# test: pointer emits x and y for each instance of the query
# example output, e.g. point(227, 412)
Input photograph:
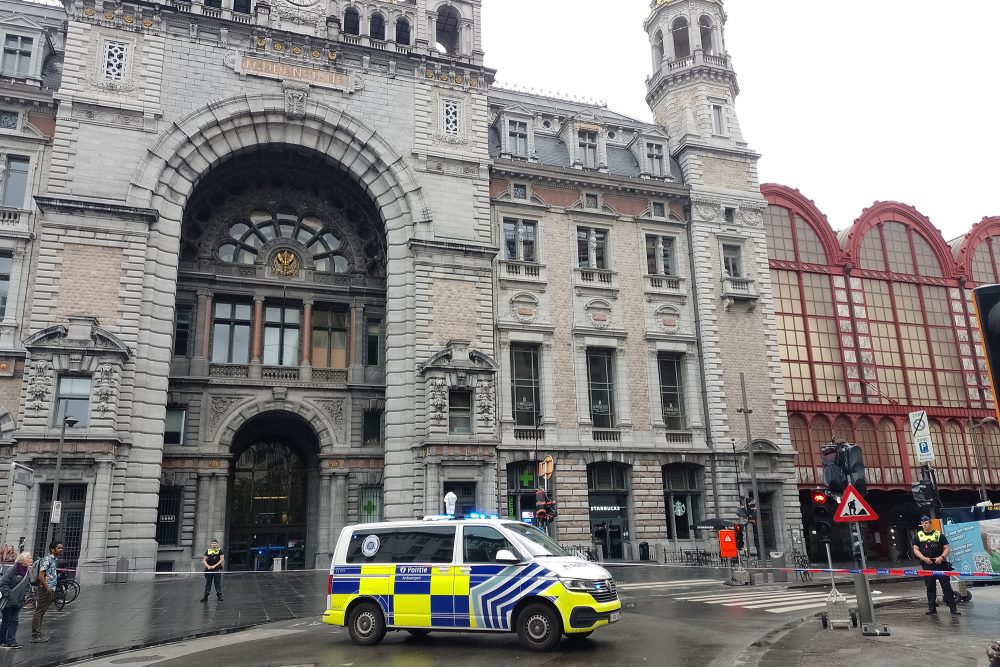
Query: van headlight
point(583, 585)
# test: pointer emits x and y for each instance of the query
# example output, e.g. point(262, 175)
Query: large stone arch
point(162, 184)
point(319, 420)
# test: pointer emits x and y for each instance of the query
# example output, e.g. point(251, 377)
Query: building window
point(376, 27)
point(672, 390)
point(8, 120)
point(591, 200)
point(73, 399)
point(329, 338)
point(241, 6)
point(588, 148)
point(654, 153)
point(403, 32)
point(521, 484)
point(17, 54)
point(182, 329)
point(168, 515)
point(370, 504)
point(15, 182)
point(519, 240)
point(732, 261)
point(352, 21)
point(659, 209)
point(460, 412)
point(371, 428)
point(592, 248)
point(451, 117)
point(173, 432)
point(446, 30)
point(115, 54)
point(373, 342)
point(525, 384)
point(231, 333)
point(660, 257)
point(6, 265)
point(281, 336)
point(718, 120)
point(682, 496)
point(520, 191)
point(517, 132)
point(601, 386)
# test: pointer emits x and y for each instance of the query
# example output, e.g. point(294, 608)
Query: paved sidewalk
point(915, 639)
point(114, 617)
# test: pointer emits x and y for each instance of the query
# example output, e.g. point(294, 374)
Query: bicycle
point(66, 591)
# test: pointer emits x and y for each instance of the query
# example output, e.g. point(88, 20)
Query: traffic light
point(923, 493)
point(823, 507)
point(834, 474)
point(987, 300)
point(854, 465)
point(739, 537)
point(751, 509)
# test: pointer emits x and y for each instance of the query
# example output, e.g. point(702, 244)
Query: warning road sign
point(853, 507)
point(727, 544)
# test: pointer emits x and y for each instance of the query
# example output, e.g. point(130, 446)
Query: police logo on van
point(370, 546)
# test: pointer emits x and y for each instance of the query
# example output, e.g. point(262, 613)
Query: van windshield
point(535, 541)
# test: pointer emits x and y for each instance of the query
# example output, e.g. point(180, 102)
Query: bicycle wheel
point(59, 598)
point(72, 590)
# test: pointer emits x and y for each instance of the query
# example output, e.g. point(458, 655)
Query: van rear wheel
point(539, 627)
point(366, 624)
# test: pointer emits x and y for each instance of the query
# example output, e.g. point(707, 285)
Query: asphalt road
point(670, 618)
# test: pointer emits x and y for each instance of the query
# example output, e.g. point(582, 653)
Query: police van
point(482, 575)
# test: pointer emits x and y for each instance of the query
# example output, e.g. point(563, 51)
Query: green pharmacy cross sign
point(370, 507)
point(527, 479)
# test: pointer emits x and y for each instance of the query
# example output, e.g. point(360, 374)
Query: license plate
point(615, 617)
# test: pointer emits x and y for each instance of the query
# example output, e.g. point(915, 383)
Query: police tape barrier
point(870, 571)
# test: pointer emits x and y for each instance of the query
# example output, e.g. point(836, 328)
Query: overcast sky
point(851, 102)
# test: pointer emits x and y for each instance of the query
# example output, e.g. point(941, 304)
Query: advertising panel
point(974, 536)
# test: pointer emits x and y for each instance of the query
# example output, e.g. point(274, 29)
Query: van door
point(424, 584)
point(493, 588)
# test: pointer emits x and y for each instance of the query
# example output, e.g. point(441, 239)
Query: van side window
point(434, 544)
point(371, 546)
point(480, 544)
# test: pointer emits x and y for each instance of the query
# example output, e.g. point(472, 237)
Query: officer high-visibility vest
point(934, 536)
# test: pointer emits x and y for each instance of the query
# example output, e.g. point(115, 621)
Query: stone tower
point(692, 91)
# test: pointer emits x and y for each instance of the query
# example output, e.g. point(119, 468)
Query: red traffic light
point(819, 498)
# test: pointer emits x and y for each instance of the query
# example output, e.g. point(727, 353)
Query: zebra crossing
point(774, 601)
point(667, 586)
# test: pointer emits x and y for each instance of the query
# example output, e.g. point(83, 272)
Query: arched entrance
point(271, 499)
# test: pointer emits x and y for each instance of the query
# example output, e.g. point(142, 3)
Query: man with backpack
point(47, 576)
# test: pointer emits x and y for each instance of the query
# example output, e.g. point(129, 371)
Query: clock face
point(302, 3)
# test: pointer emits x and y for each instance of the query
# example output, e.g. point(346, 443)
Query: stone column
point(203, 327)
point(202, 520)
point(95, 534)
point(324, 543)
point(257, 337)
point(356, 364)
point(433, 498)
point(339, 512)
point(305, 365)
point(217, 490)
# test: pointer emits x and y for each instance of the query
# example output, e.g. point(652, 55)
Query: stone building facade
point(295, 265)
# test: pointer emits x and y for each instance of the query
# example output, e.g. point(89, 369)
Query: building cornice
point(102, 208)
point(587, 179)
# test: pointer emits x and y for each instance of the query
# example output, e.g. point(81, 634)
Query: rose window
point(247, 236)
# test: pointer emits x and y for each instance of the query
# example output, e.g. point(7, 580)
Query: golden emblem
point(285, 263)
point(89, 11)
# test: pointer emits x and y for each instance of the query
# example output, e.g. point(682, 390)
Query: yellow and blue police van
point(465, 575)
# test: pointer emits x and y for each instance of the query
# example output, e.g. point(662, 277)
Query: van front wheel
point(539, 627)
point(366, 624)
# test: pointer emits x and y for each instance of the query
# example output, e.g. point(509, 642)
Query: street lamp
point(70, 421)
point(980, 460)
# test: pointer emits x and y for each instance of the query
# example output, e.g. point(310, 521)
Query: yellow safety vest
point(929, 537)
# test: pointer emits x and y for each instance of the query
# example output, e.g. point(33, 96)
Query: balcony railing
point(229, 371)
point(529, 433)
point(331, 375)
point(597, 277)
point(738, 290)
point(607, 435)
point(528, 270)
point(666, 284)
point(679, 438)
point(280, 373)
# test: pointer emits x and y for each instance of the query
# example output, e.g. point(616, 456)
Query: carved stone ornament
point(751, 217)
point(39, 385)
point(486, 404)
point(707, 212)
point(295, 102)
point(304, 12)
point(437, 401)
point(230, 58)
point(221, 405)
point(126, 86)
point(335, 409)
point(105, 387)
point(285, 263)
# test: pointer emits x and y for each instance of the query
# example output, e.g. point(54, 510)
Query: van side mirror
point(506, 556)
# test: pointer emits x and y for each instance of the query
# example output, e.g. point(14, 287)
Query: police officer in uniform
point(932, 549)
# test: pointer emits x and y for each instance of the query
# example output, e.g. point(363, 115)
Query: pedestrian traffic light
point(987, 301)
point(823, 507)
point(739, 537)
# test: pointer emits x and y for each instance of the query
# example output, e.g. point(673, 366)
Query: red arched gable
point(981, 231)
point(805, 208)
point(892, 211)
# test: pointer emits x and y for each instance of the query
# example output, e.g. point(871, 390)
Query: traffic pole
point(863, 594)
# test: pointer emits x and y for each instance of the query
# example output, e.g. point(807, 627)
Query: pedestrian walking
point(213, 561)
point(47, 576)
point(932, 549)
point(13, 587)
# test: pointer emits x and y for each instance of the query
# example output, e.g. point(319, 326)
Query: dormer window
point(517, 136)
point(588, 148)
point(17, 55)
point(654, 154)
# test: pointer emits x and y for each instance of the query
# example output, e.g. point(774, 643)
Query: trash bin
point(643, 550)
point(778, 561)
point(276, 565)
